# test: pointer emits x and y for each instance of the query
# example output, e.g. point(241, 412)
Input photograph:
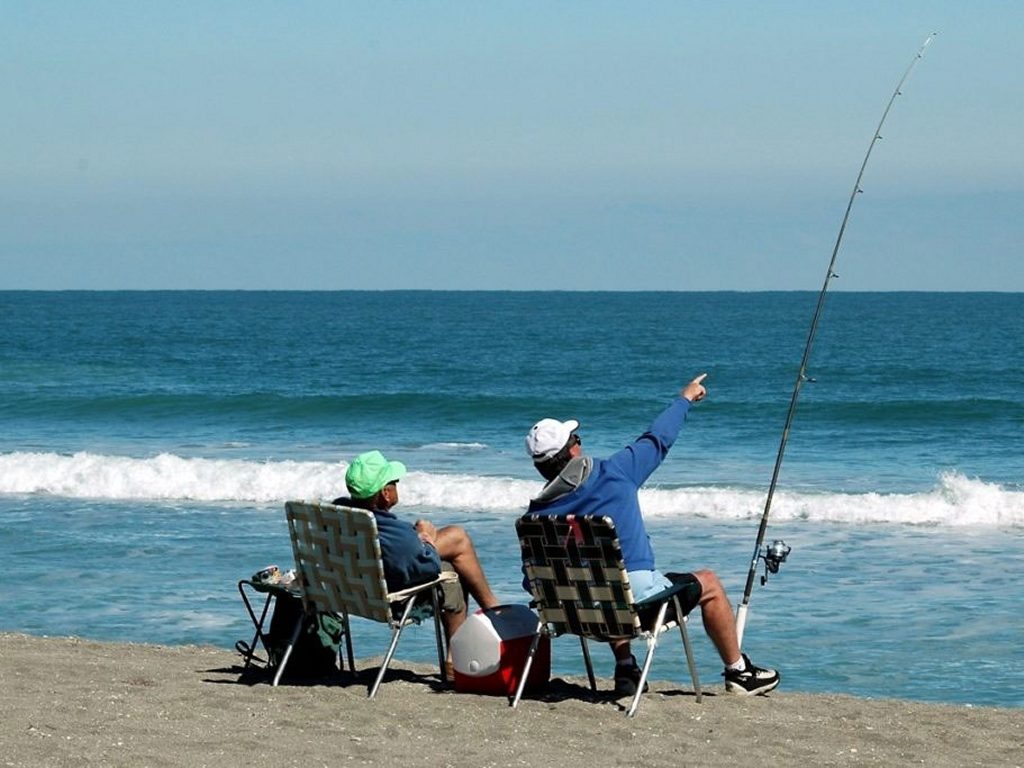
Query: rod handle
point(741, 623)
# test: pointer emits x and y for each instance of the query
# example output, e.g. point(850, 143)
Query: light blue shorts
point(647, 583)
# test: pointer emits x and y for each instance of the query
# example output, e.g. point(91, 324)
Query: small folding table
point(271, 592)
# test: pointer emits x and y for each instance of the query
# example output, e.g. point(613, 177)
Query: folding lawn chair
point(580, 587)
point(339, 566)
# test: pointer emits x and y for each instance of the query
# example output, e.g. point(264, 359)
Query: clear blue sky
point(518, 145)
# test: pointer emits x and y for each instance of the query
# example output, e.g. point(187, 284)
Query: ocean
point(150, 440)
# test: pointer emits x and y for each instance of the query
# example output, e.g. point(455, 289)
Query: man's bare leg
point(454, 545)
point(716, 611)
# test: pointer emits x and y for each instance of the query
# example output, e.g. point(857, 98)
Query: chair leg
point(689, 653)
point(348, 643)
point(396, 632)
point(589, 664)
point(441, 650)
point(249, 651)
point(652, 643)
point(527, 665)
point(288, 651)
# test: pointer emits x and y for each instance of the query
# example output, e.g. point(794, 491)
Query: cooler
point(490, 648)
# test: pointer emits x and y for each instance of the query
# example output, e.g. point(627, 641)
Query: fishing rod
point(776, 553)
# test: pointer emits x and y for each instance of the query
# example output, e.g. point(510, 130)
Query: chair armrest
point(442, 577)
point(660, 597)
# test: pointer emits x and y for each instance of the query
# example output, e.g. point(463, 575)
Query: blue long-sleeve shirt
point(612, 485)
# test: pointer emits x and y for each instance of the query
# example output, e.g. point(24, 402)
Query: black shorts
point(687, 589)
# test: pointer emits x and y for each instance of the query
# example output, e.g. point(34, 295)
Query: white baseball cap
point(548, 436)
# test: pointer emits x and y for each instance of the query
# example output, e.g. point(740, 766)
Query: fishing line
point(775, 554)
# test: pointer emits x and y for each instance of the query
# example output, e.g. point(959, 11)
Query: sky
point(509, 145)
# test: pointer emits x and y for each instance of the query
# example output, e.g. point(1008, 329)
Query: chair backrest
point(337, 556)
point(577, 576)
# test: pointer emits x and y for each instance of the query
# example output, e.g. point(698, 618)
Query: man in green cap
point(416, 553)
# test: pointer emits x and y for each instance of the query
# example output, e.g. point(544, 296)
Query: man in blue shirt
point(415, 553)
point(579, 485)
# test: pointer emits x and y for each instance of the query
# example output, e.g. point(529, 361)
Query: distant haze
point(457, 145)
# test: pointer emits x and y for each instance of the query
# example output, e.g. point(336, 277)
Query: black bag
point(316, 650)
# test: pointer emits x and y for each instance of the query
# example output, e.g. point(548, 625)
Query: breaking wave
point(955, 500)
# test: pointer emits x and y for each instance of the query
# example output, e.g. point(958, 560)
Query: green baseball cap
point(369, 472)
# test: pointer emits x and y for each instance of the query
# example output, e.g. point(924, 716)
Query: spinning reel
point(774, 555)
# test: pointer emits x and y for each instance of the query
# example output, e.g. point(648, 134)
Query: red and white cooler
point(490, 648)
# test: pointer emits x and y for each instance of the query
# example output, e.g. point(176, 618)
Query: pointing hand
point(695, 390)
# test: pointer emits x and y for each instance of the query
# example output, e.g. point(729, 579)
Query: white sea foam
point(955, 500)
point(88, 475)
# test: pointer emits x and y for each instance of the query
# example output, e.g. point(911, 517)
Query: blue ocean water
point(150, 439)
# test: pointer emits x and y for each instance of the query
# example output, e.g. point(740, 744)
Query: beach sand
point(74, 702)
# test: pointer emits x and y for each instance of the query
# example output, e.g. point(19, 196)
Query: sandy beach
point(74, 702)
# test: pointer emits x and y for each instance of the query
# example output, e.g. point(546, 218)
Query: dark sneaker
point(627, 676)
point(752, 681)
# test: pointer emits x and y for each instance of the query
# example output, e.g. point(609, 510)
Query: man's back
point(609, 486)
